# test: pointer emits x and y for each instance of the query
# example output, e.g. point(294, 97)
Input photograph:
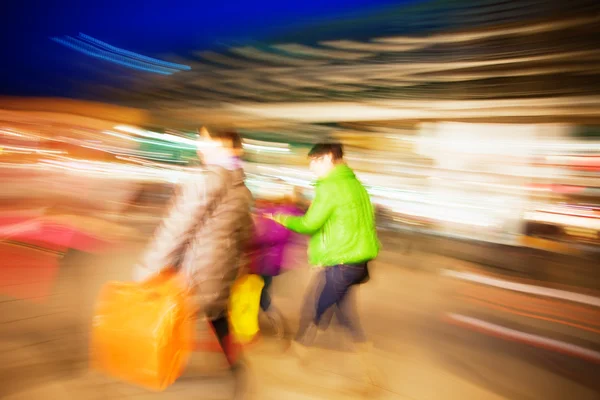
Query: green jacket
point(341, 221)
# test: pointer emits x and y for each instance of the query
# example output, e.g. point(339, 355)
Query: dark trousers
point(333, 287)
point(339, 281)
point(232, 352)
point(220, 327)
point(265, 297)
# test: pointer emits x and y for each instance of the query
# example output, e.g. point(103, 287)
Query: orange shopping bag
point(142, 332)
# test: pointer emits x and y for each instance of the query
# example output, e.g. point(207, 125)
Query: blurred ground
point(43, 344)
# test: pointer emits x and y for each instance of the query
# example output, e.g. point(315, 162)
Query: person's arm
point(316, 216)
point(187, 210)
point(249, 245)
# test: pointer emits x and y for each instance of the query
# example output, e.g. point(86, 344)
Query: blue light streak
point(133, 55)
point(117, 56)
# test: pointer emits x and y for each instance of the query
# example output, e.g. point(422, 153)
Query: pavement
point(44, 344)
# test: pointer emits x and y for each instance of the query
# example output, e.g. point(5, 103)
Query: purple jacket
point(270, 241)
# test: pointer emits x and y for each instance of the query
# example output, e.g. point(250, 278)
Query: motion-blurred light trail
point(103, 51)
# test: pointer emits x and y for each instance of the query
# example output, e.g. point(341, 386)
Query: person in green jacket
point(343, 237)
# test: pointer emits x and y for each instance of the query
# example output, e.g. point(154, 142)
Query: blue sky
point(33, 65)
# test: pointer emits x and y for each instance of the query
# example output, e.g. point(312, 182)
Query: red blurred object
point(32, 250)
point(26, 273)
point(53, 235)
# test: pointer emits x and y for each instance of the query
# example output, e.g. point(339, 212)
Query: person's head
point(324, 157)
point(215, 144)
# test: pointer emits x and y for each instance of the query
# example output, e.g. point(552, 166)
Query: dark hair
point(225, 135)
point(322, 149)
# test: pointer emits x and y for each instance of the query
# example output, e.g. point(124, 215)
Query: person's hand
point(279, 218)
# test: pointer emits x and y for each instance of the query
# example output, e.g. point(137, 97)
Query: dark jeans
point(265, 297)
point(220, 327)
point(334, 289)
point(232, 352)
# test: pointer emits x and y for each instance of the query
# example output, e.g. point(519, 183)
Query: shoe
point(300, 352)
point(240, 381)
point(298, 349)
point(311, 334)
point(276, 321)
